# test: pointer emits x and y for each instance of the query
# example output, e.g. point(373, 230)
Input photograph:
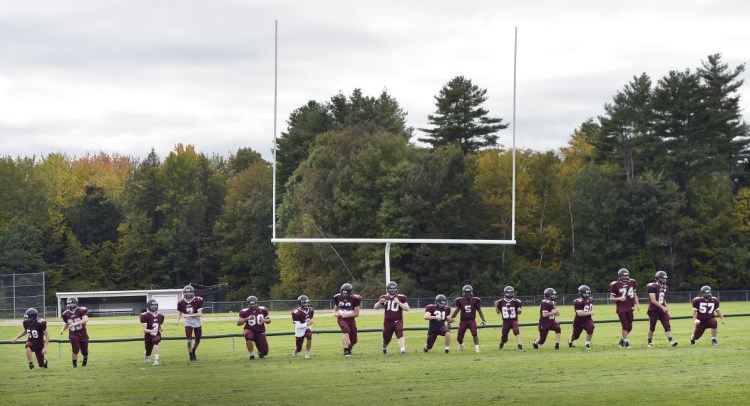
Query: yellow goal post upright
point(389, 241)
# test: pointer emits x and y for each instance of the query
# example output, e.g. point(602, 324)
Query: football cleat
point(403, 352)
point(588, 346)
point(714, 342)
point(447, 350)
point(673, 343)
point(294, 354)
point(85, 361)
point(145, 359)
point(557, 346)
point(650, 345)
point(500, 347)
point(570, 344)
point(307, 355)
point(477, 350)
point(385, 351)
point(460, 347)
point(520, 347)
point(424, 349)
point(627, 344)
point(156, 363)
point(31, 366)
point(251, 357)
point(45, 364)
point(536, 346)
point(261, 356)
point(692, 341)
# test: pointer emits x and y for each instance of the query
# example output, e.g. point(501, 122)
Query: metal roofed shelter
point(121, 302)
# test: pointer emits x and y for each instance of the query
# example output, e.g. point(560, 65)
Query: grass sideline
point(661, 375)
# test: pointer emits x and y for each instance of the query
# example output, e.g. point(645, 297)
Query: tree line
point(658, 181)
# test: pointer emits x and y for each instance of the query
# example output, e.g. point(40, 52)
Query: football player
point(657, 308)
point(438, 314)
point(74, 320)
point(509, 307)
point(346, 310)
point(469, 306)
point(584, 308)
point(254, 318)
point(622, 292)
point(152, 323)
point(548, 311)
point(37, 337)
point(302, 317)
point(704, 307)
point(191, 306)
point(395, 304)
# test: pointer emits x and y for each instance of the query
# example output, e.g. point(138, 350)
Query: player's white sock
point(145, 359)
point(403, 349)
point(156, 357)
point(588, 342)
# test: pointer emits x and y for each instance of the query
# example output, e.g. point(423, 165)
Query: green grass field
point(661, 375)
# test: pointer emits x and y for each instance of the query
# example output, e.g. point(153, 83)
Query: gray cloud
point(125, 76)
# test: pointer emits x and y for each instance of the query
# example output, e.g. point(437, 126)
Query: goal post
point(389, 241)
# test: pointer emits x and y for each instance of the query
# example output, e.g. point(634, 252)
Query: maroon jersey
point(705, 308)
point(509, 308)
point(393, 311)
point(468, 307)
point(152, 321)
point(583, 304)
point(35, 331)
point(190, 307)
point(433, 310)
point(256, 322)
point(660, 292)
point(626, 289)
point(301, 315)
point(548, 306)
point(74, 317)
point(347, 305)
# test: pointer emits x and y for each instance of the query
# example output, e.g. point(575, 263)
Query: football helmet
point(441, 301)
point(71, 303)
point(509, 292)
point(550, 294)
point(623, 275)
point(152, 305)
point(346, 289)
point(392, 288)
point(252, 302)
point(584, 291)
point(706, 292)
point(303, 302)
point(31, 315)
point(661, 277)
point(188, 292)
point(467, 291)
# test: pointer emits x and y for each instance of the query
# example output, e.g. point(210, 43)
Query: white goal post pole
point(387, 264)
point(275, 98)
point(513, 187)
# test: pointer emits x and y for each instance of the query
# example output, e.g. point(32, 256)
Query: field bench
point(112, 312)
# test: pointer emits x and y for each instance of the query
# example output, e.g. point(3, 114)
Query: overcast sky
point(123, 77)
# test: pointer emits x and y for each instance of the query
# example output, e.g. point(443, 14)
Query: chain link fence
point(19, 291)
point(487, 301)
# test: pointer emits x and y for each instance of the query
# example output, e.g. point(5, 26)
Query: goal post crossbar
point(390, 241)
